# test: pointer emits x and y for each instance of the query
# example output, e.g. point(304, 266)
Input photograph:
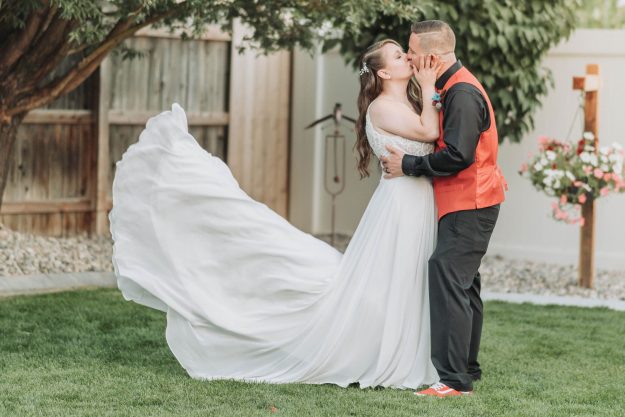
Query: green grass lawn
point(90, 353)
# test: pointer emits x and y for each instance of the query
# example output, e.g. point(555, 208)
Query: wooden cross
point(589, 84)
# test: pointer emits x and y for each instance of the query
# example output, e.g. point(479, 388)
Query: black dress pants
point(456, 311)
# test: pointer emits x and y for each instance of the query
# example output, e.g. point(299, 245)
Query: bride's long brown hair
point(370, 88)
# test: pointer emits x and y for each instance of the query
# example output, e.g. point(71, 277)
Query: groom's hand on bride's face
point(392, 162)
point(422, 62)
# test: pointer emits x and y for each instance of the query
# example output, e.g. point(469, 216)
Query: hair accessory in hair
point(364, 68)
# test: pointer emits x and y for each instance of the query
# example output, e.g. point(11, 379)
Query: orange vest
point(482, 183)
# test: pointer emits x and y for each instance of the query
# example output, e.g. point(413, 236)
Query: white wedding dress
point(250, 297)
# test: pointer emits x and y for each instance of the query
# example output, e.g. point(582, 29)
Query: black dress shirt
point(465, 117)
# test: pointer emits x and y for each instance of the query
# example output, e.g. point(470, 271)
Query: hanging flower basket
point(575, 173)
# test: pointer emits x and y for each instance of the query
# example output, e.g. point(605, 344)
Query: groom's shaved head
point(435, 36)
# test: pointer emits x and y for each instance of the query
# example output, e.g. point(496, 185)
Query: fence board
point(259, 119)
point(65, 153)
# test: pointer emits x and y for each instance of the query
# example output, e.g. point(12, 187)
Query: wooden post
point(589, 84)
point(103, 163)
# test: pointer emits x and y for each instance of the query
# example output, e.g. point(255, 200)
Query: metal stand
point(334, 176)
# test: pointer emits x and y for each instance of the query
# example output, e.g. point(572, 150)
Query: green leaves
point(501, 42)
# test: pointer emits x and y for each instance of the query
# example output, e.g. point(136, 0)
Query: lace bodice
point(378, 142)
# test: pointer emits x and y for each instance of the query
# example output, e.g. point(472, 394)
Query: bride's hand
point(426, 70)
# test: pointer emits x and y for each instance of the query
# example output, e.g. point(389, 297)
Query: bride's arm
point(398, 119)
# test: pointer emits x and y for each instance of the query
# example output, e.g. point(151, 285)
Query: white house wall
point(525, 229)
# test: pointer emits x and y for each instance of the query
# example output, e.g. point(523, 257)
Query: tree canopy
point(502, 41)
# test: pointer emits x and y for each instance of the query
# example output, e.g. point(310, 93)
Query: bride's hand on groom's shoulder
point(425, 69)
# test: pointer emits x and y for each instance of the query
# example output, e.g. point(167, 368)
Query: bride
point(250, 297)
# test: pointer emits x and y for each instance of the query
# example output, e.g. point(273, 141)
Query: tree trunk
point(29, 55)
point(8, 133)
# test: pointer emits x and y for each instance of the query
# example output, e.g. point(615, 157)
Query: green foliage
point(90, 353)
point(602, 14)
point(275, 24)
point(501, 41)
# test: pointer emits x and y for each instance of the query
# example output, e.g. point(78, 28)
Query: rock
point(23, 254)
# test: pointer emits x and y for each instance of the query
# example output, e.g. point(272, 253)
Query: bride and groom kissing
point(250, 297)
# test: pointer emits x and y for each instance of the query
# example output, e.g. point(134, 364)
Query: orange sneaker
point(441, 390)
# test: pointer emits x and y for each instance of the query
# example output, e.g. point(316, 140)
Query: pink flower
point(578, 183)
point(582, 221)
point(604, 191)
point(582, 198)
point(543, 140)
point(598, 173)
point(587, 169)
point(554, 205)
point(563, 199)
point(607, 176)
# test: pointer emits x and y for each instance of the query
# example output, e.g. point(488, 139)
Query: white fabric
point(250, 297)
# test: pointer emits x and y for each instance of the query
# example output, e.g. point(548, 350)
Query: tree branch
point(14, 48)
point(73, 78)
point(50, 47)
point(52, 14)
point(46, 64)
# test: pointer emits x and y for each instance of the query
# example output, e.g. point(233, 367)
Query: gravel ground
point(22, 254)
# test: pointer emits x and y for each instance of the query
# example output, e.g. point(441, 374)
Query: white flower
point(543, 161)
point(570, 176)
point(538, 166)
point(589, 158)
point(604, 168)
point(585, 157)
point(617, 146)
point(551, 155)
point(588, 136)
point(615, 157)
point(604, 150)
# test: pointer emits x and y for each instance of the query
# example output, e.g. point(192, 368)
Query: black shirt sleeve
point(466, 116)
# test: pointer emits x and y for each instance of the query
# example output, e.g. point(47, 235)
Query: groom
point(469, 188)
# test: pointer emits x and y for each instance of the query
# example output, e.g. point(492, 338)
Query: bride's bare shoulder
point(381, 108)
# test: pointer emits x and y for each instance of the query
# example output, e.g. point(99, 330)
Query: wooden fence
point(237, 108)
